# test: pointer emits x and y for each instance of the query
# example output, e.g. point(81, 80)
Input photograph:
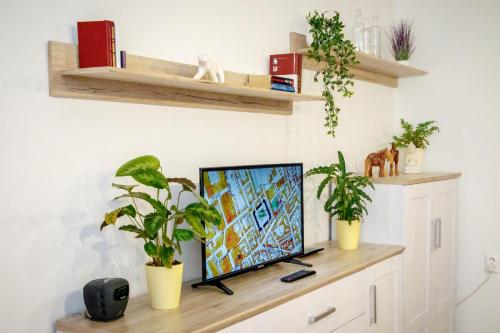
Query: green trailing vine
point(338, 53)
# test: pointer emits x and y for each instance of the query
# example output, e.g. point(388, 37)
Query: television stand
point(297, 262)
point(217, 284)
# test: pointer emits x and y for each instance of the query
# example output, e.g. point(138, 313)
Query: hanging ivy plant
point(331, 47)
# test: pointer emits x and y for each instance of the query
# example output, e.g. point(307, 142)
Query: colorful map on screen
point(262, 217)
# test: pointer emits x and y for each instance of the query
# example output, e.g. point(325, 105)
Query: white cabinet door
point(417, 215)
point(441, 283)
point(384, 295)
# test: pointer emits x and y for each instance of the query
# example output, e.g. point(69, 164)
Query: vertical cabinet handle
point(373, 304)
point(438, 220)
point(436, 233)
point(329, 311)
point(433, 234)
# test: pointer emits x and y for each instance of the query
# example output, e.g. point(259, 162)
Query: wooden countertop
point(416, 178)
point(209, 310)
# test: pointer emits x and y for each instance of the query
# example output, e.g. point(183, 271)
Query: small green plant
point(349, 199)
point(159, 227)
point(331, 47)
point(418, 135)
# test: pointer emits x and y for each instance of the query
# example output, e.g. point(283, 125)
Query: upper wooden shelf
point(160, 82)
point(370, 68)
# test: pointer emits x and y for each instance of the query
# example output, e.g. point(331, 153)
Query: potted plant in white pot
point(348, 200)
point(160, 225)
point(415, 138)
point(331, 48)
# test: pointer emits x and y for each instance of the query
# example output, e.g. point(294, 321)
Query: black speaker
point(105, 299)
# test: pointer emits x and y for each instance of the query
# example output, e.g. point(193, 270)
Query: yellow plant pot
point(164, 285)
point(348, 235)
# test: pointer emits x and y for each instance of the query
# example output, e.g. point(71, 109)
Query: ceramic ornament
point(414, 159)
point(212, 68)
point(379, 158)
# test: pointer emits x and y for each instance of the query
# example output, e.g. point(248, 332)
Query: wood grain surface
point(416, 178)
point(370, 68)
point(160, 82)
point(209, 310)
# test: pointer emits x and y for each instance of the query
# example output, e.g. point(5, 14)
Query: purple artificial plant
point(402, 39)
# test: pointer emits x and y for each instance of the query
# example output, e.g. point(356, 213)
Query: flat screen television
point(262, 217)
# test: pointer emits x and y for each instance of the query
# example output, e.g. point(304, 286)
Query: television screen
point(262, 217)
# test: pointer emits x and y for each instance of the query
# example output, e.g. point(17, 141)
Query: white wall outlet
point(491, 263)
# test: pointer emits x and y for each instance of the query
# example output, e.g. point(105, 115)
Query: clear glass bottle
point(358, 30)
point(376, 44)
point(367, 36)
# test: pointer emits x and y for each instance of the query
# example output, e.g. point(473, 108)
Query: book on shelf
point(98, 44)
point(290, 80)
point(284, 80)
point(282, 87)
point(287, 64)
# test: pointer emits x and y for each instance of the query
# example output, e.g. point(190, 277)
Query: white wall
point(458, 44)
point(58, 155)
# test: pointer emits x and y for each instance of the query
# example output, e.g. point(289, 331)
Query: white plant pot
point(309, 38)
point(404, 62)
point(414, 160)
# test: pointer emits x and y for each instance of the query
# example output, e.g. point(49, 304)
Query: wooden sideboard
point(352, 291)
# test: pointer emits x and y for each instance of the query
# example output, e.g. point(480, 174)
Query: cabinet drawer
point(358, 325)
point(322, 310)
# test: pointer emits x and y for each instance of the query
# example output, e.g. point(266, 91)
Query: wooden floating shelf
point(160, 82)
point(370, 68)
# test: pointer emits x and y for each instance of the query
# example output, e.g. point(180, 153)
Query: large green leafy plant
point(418, 135)
point(349, 199)
point(331, 47)
point(159, 226)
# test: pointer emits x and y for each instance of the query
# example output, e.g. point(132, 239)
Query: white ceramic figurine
point(214, 69)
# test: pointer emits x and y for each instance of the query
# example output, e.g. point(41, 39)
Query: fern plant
point(349, 198)
point(418, 135)
point(338, 53)
point(160, 226)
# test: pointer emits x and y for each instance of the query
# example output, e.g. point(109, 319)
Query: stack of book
point(97, 45)
point(286, 72)
point(283, 83)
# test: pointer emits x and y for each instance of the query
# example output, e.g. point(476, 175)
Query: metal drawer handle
point(434, 226)
point(439, 222)
point(329, 311)
point(373, 305)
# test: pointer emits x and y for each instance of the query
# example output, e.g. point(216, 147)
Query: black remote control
point(297, 275)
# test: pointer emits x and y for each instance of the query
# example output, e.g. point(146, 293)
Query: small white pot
point(309, 39)
point(404, 62)
point(414, 160)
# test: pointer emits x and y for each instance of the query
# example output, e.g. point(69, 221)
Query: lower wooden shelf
point(159, 82)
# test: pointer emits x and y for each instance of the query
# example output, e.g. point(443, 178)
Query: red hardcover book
point(95, 44)
point(286, 64)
